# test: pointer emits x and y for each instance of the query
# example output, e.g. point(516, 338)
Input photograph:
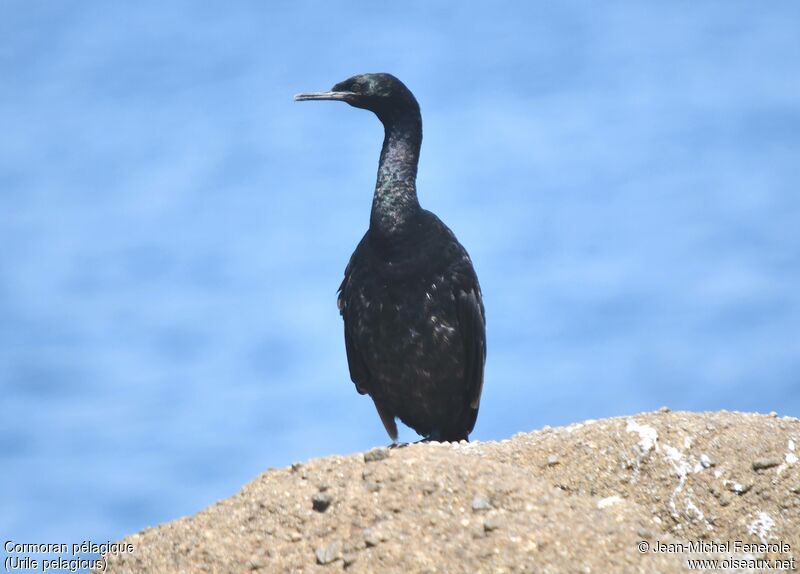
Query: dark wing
point(473, 332)
point(358, 370)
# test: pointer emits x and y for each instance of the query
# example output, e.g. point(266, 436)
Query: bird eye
point(356, 87)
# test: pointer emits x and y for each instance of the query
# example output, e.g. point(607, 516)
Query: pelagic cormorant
point(414, 326)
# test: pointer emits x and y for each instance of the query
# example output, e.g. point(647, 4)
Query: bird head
point(382, 94)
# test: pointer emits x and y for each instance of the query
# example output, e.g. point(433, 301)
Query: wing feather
point(355, 362)
point(473, 332)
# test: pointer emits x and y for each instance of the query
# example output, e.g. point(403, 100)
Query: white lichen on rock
point(647, 435)
point(761, 526)
point(609, 501)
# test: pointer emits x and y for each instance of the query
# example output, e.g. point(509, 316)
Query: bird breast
point(401, 323)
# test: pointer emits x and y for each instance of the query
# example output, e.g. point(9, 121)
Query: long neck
point(395, 199)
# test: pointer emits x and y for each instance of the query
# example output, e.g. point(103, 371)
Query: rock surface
point(582, 498)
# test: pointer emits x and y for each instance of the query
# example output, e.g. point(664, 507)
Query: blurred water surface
point(174, 227)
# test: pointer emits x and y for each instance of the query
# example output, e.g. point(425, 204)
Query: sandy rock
point(621, 489)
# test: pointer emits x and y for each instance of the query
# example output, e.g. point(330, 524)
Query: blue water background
point(173, 228)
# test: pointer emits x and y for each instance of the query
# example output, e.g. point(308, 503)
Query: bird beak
point(341, 96)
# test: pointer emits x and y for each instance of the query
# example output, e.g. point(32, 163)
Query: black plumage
point(414, 324)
